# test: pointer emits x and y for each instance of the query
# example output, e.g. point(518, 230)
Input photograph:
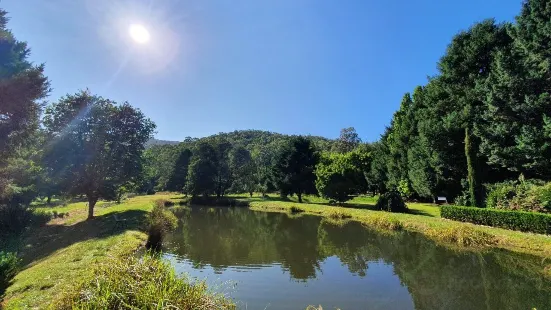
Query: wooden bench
point(441, 199)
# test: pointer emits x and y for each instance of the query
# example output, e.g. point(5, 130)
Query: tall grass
point(160, 222)
point(139, 283)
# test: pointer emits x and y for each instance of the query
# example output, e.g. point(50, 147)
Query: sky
point(289, 66)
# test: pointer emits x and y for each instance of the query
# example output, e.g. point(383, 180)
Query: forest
point(478, 133)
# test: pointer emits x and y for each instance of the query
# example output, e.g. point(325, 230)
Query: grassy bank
point(422, 218)
point(66, 249)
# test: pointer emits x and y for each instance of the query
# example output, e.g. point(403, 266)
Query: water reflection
point(311, 251)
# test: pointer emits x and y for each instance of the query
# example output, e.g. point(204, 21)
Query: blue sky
point(289, 66)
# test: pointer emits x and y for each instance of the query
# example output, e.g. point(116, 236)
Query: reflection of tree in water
point(440, 278)
point(436, 277)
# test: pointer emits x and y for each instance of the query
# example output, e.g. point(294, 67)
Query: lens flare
point(139, 33)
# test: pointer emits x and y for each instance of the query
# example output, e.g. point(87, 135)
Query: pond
point(281, 261)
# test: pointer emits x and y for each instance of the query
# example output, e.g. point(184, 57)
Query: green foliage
point(242, 169)
point(337, 176)
point(9, 264)
point(96, 145)
point(401, 131)
point(515, 220)
point(377, 174)
point(160, 222)
point(520, 195)
point(500, 194)
point(202, 170)
point(177, 179)
point(295, 168)
point(139, 283)
point(404, 189)
point(391, 201)
point(516, 131)
point(22, 85)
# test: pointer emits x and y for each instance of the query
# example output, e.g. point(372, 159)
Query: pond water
point(280, 261)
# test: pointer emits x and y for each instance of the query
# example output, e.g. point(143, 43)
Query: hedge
point(515, 220)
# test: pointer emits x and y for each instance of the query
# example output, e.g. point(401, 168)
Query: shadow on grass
point(420, 212)
point(43, 241)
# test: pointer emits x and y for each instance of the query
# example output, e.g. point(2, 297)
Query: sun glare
point(139, 33)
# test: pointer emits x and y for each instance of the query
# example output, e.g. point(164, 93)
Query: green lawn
point(62, 251)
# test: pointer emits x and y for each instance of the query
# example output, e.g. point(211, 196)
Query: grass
point(422, 217)
point(139, 283)
point(54, 255)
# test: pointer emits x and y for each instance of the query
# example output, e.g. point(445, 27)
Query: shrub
point(500, 194)
point(521, 195)
point(139, 283)
point(392, 202)
point(160, 221)
point(14, 218)
point(8, 270)
point(515, 220)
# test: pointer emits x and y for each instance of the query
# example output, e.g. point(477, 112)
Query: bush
point(515, 220)
point(8, 270)
point(160, 221)
point(139, 283)
point(392, 202)
point(521, 195)
point(500, 194)
point(14, 218)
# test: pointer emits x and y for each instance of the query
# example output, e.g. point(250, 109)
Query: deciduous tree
point(97, 145)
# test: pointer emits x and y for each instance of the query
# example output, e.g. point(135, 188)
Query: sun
point(139, 33)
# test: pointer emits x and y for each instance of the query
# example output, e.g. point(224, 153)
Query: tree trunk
point(299, 195)
point(251, 193)
point(91, 204)
point(49, 199)
point(475, 187)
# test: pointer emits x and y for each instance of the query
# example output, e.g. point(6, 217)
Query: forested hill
point(248, 139)
point(160, 158)
point(154, 141)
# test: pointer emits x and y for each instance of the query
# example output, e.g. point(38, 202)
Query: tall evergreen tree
point(22, 86)
point(295, 168)
point(464, 70)
point(516, 133)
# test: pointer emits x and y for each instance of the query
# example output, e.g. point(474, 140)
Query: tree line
point(484, 118)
